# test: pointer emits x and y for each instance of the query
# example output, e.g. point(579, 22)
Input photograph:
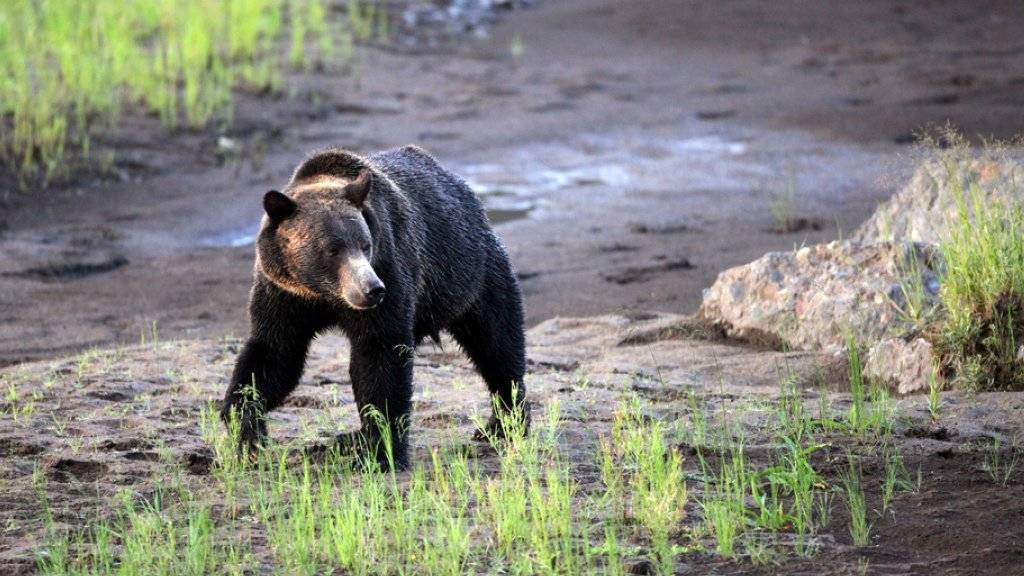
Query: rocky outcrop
point(810, 299)
point(921, 211)
point(875, 285)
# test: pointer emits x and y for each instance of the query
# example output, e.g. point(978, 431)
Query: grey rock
point(811, 298)
point(922, 210)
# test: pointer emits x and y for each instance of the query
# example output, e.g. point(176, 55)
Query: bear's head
point(316, 241)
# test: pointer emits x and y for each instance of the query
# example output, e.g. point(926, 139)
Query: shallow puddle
point(230, 238)
point(534, 179)
point(500, 216)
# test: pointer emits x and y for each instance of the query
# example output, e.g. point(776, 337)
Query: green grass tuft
point(856, 502)
point(451, 514)
point(67, 66)
point(983, 293)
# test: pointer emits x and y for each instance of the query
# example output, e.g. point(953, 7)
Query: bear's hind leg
point(491, 334)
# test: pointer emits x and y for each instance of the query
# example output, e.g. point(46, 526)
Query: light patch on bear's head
point(322, 188)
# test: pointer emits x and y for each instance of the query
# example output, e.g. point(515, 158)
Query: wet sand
point(631, 152)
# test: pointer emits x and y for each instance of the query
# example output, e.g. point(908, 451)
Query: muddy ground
point(630, 151)
point(128, 417)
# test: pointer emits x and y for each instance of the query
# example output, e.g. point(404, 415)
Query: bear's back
point(426, 182)
point(442, 201)
point(457, 245)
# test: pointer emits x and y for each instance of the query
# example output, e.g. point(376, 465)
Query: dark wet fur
point(444, 269)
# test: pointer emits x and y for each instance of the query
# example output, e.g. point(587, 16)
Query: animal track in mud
point(125, 445)
point(636, 274)
point(795, 225)
point(710, 115)
point(69, 469)
point(305, 402)
point(69, 270)
point(17, 447)
point(110, 395)
point(617, 247)
point(644, 228)
point(941, 433)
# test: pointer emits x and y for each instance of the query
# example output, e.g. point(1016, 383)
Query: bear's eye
point(365, 247)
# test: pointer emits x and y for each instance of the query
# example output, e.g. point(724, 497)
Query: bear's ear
point(278, 206)
point(357, 190)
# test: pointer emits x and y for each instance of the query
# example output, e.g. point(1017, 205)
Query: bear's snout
point(360, 285)
point(375, 295)
point(368, 296)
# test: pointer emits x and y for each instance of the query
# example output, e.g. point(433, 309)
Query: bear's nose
point(375, 295)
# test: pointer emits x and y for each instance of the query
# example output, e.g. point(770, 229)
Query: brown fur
point(293, 240)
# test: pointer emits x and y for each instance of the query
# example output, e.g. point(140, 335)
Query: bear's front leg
point(265, 374)
point(271, 361)
point(381, 373)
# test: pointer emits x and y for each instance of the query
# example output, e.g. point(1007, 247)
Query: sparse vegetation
point(657, 483)
point(1002, 462)
point(17, 404)
point(916, 300)
point(68, 66)
point(982, 285)
point(526, 513)
point(754, 481)
point(443, 517)
point(934, 394)
point(782, 205)
point(788, 494)
point(872, 409)
point(856, 502)
point(896, 479)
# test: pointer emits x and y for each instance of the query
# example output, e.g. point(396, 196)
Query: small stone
point(227, 145)
point(903, 366)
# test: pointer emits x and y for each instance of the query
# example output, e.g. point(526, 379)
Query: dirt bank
point(632, 151)
point(128, 418)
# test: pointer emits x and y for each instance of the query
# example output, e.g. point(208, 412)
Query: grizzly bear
point(388, 249)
